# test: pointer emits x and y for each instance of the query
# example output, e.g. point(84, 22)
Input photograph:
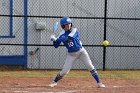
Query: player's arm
point(73, 33)
point(57, 41)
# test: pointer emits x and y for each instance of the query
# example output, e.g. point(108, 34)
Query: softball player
point(70, 38)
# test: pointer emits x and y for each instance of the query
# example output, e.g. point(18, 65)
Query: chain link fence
point(121, 30)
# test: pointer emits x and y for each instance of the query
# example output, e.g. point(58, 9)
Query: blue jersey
point(70, 39)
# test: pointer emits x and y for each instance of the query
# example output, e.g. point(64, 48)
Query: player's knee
point(64, 73)
point(91, 68)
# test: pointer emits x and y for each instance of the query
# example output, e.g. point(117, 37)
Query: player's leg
point(87, 61)
point(66, 68)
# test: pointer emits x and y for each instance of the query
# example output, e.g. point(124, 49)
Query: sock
point(95, 75)
point(57, 78)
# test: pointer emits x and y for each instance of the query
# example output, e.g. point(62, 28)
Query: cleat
point(52, 84)
point(101, 85)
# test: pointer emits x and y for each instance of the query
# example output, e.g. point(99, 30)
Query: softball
point(105, 43)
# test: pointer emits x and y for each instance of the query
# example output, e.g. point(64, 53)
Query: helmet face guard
point(63, 26)
point(64, 21)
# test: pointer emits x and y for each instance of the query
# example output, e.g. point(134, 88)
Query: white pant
point(71, 57)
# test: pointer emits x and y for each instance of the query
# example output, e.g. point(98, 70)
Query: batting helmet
point(64, 21)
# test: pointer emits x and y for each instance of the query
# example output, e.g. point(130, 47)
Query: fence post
point(25, 33)
point(104, 48)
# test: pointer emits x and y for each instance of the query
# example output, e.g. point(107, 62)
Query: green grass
point(127, 75)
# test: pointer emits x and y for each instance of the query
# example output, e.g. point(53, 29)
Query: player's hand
point(53, 38)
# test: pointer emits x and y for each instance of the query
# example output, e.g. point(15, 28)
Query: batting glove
point(53, 38)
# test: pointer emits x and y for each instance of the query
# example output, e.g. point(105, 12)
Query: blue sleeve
point(74, 33)
point(57, 43)
point(62, 38)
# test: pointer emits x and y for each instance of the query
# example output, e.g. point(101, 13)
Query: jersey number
point(71, 44)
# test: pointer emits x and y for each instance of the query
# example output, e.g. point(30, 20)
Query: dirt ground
point(66, 85)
